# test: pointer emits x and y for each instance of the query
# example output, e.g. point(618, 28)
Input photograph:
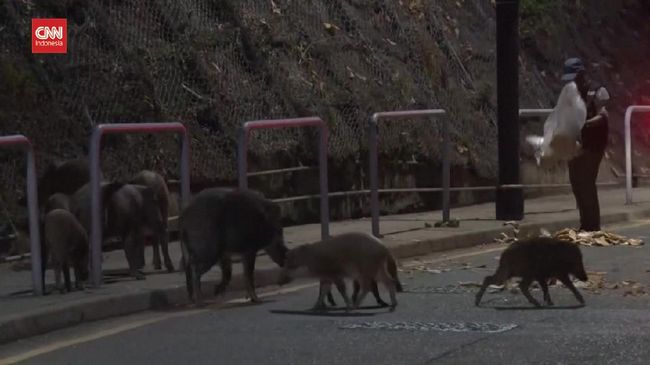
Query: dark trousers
point(583, 171)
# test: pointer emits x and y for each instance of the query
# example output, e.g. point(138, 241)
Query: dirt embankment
point(216, 64)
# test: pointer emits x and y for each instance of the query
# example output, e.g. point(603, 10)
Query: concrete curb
point(47, 320)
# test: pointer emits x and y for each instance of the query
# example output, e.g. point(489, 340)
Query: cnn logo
point(49, 35)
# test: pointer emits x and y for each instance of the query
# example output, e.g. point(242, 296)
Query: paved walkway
point(22, 314)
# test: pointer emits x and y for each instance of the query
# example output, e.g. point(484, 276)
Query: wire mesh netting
point(216, 64)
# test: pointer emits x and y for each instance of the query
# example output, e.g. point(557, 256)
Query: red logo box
point(49, 35)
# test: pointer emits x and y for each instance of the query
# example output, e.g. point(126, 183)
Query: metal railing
point(23, 143)
point(535, 112)
point(628, 148)
point(242, 159)
point(95, 169)
point(373, 144)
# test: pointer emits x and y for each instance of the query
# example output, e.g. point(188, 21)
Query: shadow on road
point(321, 313)
point(503, 308)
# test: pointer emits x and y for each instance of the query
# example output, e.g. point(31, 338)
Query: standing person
point(583, 168)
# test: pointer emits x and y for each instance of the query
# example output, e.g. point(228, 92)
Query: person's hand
point(603, 112)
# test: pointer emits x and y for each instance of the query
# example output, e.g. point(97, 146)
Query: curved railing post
point(374, 163)
point(628, 148)
point(23, 143)
point(100, 130)
point(242, 164)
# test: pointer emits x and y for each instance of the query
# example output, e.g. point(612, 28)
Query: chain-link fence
point(216, 64)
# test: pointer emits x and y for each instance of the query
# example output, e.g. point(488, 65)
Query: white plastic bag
point(561, 129)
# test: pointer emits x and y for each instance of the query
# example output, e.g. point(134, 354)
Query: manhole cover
point(432, 326)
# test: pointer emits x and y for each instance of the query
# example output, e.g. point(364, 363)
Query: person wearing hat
point(583, 168)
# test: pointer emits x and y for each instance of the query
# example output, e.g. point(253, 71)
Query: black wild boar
point(157, 184)
point(67, 243)
point(220, 222)
point(66, 177)
point(355, 255)
point(540, 259)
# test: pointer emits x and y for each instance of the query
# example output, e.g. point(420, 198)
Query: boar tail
point(391, 266)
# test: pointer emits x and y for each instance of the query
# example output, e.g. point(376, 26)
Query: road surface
point(435, 322)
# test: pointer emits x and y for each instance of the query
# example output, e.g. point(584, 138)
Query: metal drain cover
point(432, 326)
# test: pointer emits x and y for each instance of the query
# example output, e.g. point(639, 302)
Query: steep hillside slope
point(216, 64)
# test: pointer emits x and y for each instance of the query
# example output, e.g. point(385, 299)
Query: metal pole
point(445, 170)
point(34, 224)
point(324, 197)
point(96, 208)
point(374, 174)
point(185, 169)
point(628, 156)
point(242, 166)
point(628, 148)
point(509, 203)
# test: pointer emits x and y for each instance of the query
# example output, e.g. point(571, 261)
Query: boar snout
point(285, 278)
point(581, 274)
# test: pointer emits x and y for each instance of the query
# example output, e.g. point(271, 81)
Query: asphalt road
point(435, 322)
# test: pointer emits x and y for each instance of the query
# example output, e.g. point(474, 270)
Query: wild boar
point(540, 259)
point(355, 255)
point(67, 243)
point(130, 212)
point(392, 269)
point(220, 222)
point(157, 184)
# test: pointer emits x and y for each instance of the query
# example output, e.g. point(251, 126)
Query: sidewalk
point(23, 315)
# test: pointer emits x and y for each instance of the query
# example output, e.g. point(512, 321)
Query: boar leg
point(226, 274)
point(547, 297)
point(196, 284)
point(489, 280)
point(66, 277)
point(248, 260)
point(340, 285)
point(365, 288)
point(164, 246)
point(131, 248)
point(330, 298)
point(567, 282)
point(189, 283)
point(325, 288)
point(375, 293)
point(523, 285)
point(77, 278)
point(390, 284)
point(156, 254)
point(57, 277)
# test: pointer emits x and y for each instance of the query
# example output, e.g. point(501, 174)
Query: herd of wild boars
point(132, 212)
point(219, 223)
